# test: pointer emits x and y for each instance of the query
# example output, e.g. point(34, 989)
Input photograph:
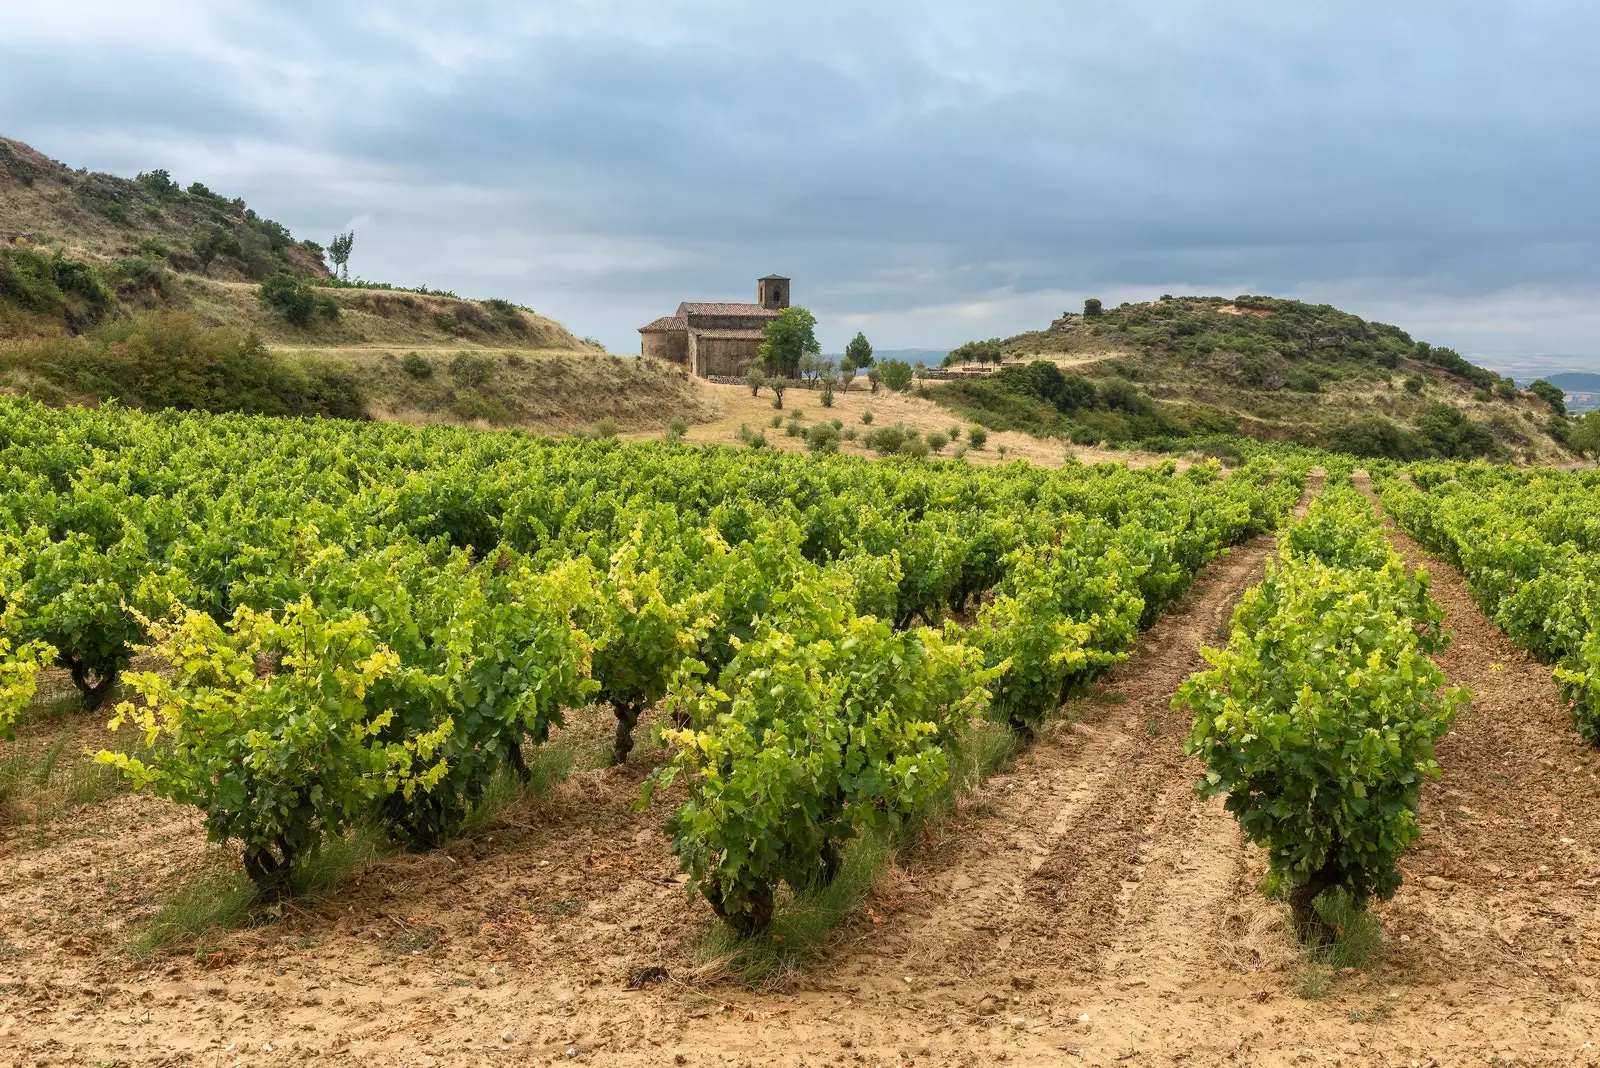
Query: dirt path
point(1082, 908)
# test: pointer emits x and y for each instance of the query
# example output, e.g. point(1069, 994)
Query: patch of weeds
point(218, 901)
point(802, 919)
point(564, 908)
point(1378, 1014)
point(330, 866)
point(42, 786)
point(11, 951)
point(1315, 981)
point(1356, 936)
point(1152, 726)
point(414, 939)
point(548, 766)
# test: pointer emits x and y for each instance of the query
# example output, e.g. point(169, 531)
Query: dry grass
point(738, 408)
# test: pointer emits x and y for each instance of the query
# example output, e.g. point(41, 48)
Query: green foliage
point(1319, 718)
point(339, 252)
point(165, 359)
point(159, 184)
point(977, 436)
point(117, 214)
point(786, 339)
point(825, 726)
point(858, 353)
point(822, 438)
point(54, 286)
point(275, 761)
point(754, 377)
point(1061, 616)
point(1550, 394)
point(293, 299)
point(991, 351)
point(1586, 436)
point(1092, 308)
point(1525, 543)
point(483, 583)
point(471, 371)
point(416, 366)
point(896, 374)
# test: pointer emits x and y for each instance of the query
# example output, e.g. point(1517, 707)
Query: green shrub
point(977, 437)
point(417, 366)
point(896, 374)
point(279, 760)
point(447, 322)
point(913, 447)
point(937, 441)
point(822, 438)
point(1414, 383)
point(54, 286)
point(1550, 394)
point(472, 406)
point(773, 755)
point(296, 301)
point(471, 371)
point(1319, 719)
point(165, 359)
point(886, 439)
point(605, 428)
point(866, 417)
point(117, 214)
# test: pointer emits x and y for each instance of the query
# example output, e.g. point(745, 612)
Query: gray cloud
point(928, 172)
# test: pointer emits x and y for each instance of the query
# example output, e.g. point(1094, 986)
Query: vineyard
point(307, 633)
point(1527, 543)
point(431, 603)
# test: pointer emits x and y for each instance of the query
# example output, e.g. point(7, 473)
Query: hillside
point(1280, 370)
point(139, 288)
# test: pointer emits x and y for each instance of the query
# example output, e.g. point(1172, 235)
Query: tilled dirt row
point(1082, 908)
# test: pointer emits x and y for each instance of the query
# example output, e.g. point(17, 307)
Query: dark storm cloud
point(932, 170)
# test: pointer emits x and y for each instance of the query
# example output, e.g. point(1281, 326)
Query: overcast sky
point(928, 172)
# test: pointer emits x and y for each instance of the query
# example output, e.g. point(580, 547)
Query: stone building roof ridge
point(688, 308)
point(666, 322)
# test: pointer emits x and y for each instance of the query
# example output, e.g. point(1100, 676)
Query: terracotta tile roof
point(727, 309)
point(733, 335)
point(664, 324)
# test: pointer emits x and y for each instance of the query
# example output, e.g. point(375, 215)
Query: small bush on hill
point(54, 286)
point(418, 367)
point(293, 299)
point(165, 359)
point(471, 371)
point(474, 406)
point(1551, 394)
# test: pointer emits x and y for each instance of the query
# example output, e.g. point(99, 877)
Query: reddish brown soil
point(1082, 908)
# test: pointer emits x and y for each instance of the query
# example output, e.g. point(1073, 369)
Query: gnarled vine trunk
point(1308, 926)
point(94, 695)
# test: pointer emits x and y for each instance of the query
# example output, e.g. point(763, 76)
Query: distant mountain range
point(1581, 387)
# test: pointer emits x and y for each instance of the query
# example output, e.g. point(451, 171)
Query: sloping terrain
point(1278, 370)
point(113, 287)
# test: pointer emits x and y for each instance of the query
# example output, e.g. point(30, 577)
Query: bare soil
point(1081, 908)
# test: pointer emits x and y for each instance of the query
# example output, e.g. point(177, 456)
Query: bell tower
point(773, 292)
